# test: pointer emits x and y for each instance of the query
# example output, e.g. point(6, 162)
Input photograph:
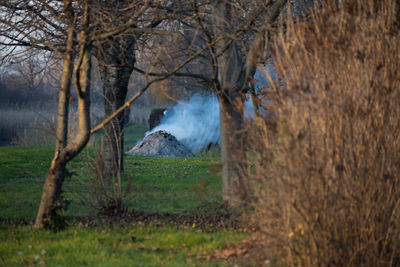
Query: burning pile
point(160, 144)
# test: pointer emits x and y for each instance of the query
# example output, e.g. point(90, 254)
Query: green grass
point(171, 185)
point(151, 245)
point(159, 185)
point(24, 162)
point(174, 185)
point(22, 173)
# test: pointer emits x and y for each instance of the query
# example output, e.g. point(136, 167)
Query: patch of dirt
point(249, 252)
point(201, 222)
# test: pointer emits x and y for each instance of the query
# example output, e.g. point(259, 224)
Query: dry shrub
point(101, 192)
point(327, 176)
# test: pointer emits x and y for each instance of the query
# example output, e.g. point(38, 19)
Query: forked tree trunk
point(64, 153)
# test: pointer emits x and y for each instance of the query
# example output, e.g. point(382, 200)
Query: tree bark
point(229, 86)
point(64, 93)
point(117, 59)
point(53, 184)
point(232, 77)
point(233, 155)
point(115, 86)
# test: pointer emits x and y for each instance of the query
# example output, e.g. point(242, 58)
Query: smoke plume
point(194, 123)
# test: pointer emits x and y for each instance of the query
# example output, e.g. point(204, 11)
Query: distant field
point(179, 187)
point(34, 124)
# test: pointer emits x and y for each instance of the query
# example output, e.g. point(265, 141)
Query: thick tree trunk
point(115, 87)
point(52, 188)
point(229, 85)
point(233, 74)
point(116, 62)
point(233, 155)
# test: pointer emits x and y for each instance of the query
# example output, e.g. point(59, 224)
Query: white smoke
point(194, 123)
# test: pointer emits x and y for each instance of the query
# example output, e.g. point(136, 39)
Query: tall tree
point(65, 152)
point(232, 46)
point(52, 26)
point(66, 28)
point(69, 28)
point(233, 71)
point(115, 74)
point(116, 57)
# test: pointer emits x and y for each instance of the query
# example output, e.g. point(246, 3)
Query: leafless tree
point(232, 34)
point(232, 71)
point(116, 55)
point(68, 29)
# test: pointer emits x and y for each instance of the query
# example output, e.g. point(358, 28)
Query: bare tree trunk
point(115, 87)
point(116, 57)
point(233, 155)
point(116, 61)
point(230, 84)
point(53, 184)
point(64, 93)
point(233, 74)
point(52, 188)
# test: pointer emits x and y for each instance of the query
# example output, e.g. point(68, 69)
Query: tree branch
point(179, 74)
point(101, 34)
point(167, 75)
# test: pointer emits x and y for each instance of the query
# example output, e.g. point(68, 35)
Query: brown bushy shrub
point(327, 175)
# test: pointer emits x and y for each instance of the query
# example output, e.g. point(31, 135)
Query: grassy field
point(181, 189)
point(136, 245)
